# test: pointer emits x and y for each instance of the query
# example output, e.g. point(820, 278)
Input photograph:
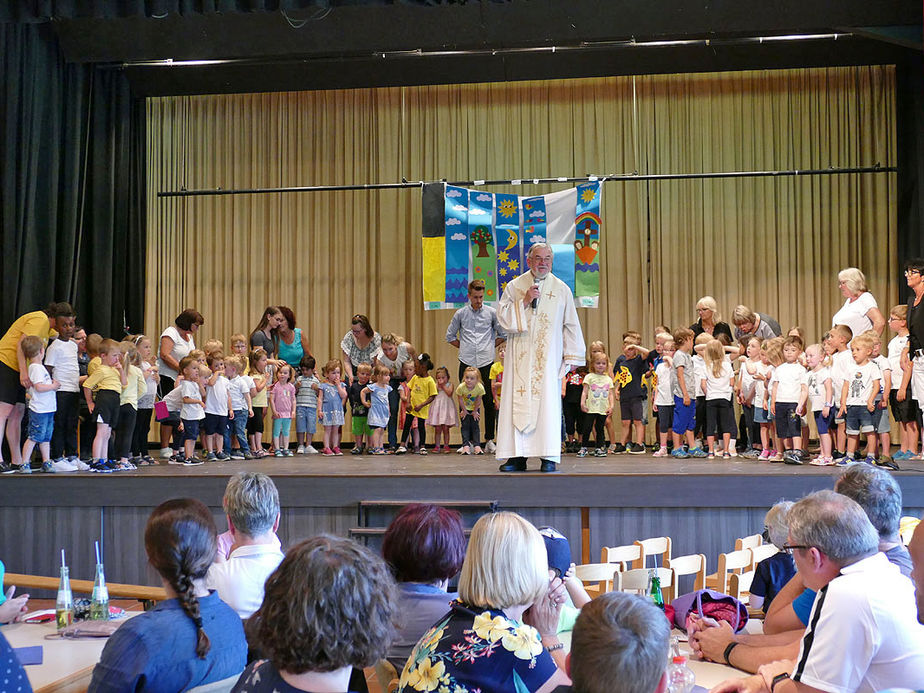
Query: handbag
point(710, 604)
point(160, 410)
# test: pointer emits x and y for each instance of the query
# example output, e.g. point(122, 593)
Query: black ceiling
point(355, 44)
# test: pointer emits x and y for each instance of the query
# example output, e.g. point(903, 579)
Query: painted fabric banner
point(469, 234)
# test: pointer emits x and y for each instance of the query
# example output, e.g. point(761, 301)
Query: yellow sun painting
point(587, 195)
point(507, 208)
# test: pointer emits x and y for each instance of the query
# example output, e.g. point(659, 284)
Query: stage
point(702, 504)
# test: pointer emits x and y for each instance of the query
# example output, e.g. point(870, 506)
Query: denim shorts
point(859, 420)
point(788, 422)
point(306, 419)
point(881, 419)
point(190, 429)
point(41, 426)
point(214, 423)
point(761, 415)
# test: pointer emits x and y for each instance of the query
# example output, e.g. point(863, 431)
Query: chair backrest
point(223, 686)
point(748, 542)
point(601, 573)
point(386, 675)
point(656, 546)
point(636, 580)
point(623, 556)
point(763, 552)
point(906, 527)
point(694, 564)
point(739, 585)
point(733, 561)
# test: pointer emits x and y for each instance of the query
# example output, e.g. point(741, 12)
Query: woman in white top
point(175, 343)
point(861, 312)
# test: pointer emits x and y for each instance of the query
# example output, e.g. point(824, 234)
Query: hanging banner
point(507, 230)
point(457, 255)
point(587, 226)
point(481, 236)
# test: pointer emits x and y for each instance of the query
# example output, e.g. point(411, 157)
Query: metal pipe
point(616, 177)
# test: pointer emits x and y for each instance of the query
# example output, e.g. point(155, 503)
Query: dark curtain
point(909, 118)
point(71, 185)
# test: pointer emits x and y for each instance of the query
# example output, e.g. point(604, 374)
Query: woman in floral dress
point(500, 635)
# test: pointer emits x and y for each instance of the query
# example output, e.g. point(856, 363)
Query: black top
point(720, 328)
point(915, 324)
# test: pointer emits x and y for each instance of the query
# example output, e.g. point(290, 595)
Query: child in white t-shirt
point(836, 341)
point(881, 415)
point(42, 406)
point(717, 384)
point(858, 399)
point(663, 395)
point(904, 407)
point(788, 395)
point(239, 389)
point(821, 399)
point(745, 390)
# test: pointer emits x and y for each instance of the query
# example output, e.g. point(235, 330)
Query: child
point(745, 390)
point(375, 398)
point(571, 389)
point(211, 346)
point(42, 407)
point(653, 360)
point(193, 410)
point(442, 414)
point(821, 397)
point(761, 373)
point(135, 386)
point(842, 365)
point(881, 415)
point(61, 363)
point(496, 376)
point(683, 388)
point(217, 407)
point(858, 399)
point(628, 371)
point(699, 368)
point(788, 395)
point(421, 391)
point(239, 388)
point(468, 395)
point(718, 387)
point(597, 400)
point(239, 347)
point(358, 411)
point(331, 396)
point(395, 351)
point(404, 396)
point(139, 447)
point(597, 347)
point(258, 400)
point(904, 407)
point(306, 406)
point(663, 405)
point(107, 380)
point(282, 406)
point(774, 349)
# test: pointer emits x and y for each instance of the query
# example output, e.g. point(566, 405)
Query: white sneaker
point(490, 447)
point(81, 465)
point(166, 453)
point(300, 450)
point(310, 450)
point(56, 466)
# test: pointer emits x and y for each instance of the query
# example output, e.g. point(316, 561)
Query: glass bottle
point(654, 589)
point(99, 604)
point(64, 604)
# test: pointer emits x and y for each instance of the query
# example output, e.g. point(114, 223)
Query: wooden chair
point(763, 552)
point(600, 573)
point(624, 556)
point(739, 585)
point(636, 580)
point(694, 564)
point(906, 527)
point(748, 542)
point(733, 561)
point(656, 546)
point(386, 676)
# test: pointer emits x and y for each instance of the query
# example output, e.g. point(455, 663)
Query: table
point(67, 665)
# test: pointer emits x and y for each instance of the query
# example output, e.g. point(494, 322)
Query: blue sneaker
point(844, 461)
point(902, 455)
point(99, 467)
point(680, 454)
point(698, 452)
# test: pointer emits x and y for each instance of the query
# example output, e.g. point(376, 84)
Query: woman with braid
point(193, 637)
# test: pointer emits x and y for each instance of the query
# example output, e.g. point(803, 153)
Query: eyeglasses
point(789, 548)
point(909, 272)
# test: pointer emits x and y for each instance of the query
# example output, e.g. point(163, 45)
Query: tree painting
point(482, 236)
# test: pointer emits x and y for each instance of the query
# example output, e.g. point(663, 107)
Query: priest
point(544, 339)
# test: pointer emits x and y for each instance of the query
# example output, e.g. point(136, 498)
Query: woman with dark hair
point(327, 608)
point(264, 335)
point(193, 637)
point(293, 343)
point(425, 546)
point(175, 344)
point(360, 345)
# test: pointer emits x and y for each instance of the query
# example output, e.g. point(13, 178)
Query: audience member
point(329, 607)
point(193, 637)
point(506, 606)
point(916, 548)
point(774, 572)
point(424, 546)
point(251, 504)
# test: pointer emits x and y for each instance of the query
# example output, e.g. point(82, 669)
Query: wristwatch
point(776, 679)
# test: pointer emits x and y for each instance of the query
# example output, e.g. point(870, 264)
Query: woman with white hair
point(500, 635)
point(774, 572)
point(710, 320)
point(860, 312)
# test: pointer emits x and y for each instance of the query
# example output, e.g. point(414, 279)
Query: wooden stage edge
point(638, 481)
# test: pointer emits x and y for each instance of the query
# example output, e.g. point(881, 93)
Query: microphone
point(535, 303)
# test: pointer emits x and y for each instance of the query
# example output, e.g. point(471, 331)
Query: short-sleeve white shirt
point(191, 412)
point(41, 402)
point(842, 364)
point(853, 313)
point(719, 387)
point(863, 634)
point(62, 356)
point(663, 395)
point(699, 370)
point(896, 346)
point(789, 378)
point(239, 580)
point(860, 383)
point(216, 397)
point(816, 387)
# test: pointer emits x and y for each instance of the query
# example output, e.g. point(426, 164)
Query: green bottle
point(654, 590)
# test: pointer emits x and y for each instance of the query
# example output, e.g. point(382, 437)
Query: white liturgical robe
point(542, 343)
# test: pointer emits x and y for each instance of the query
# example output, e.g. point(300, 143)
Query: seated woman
point(193, 637)
point(327, 608)
point(774, 572)
point(424, 545)
point(483, 642)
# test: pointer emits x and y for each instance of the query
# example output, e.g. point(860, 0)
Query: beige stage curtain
point(774, 244)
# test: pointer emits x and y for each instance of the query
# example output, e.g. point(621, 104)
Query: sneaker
point(478, 450)
point(301, 450)
point(600, 452)
point(178, 458)
point(821, 461)
point(421, 450)
point(776, 456)
point(710, 455)
point(618, 448)
point(357, 450)
point(871, 459)
point(464, 450)
point(751, 454)
point(901, 455)
point(698, 452)
point(490, 447)
point(6, 467)
point(635, 449)
point(237, 455)
point(288, 453)
point(887, 462)
point(400, 451)
point(84, 467)
point(191, 462)
point(57, 466)
point(211, 457)
point(98, 467)
point(327, 452)
point(311, 450)
point(278, 453)
point(844, 461)
point(248, 455)
point(223, 456)
point(792, 457)
point(661, 452)
point(733, 452)
point(166, 453)
point(582, 452)
point(727, 455)
point(337, 452)
point(680, 454)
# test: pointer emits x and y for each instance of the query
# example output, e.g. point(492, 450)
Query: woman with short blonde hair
point(507, 607)
point(710, 320)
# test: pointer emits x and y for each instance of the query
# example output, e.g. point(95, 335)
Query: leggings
point(421, 429)
point(125, 431)
point(574, 417)
point(142, 429)
point(64, 436)
point(597, 422)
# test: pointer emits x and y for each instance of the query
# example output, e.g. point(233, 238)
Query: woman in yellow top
point(14, 369)
point(422, 389)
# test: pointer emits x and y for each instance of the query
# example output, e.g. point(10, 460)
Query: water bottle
point(64, 604)
point(99, 604)
point(654, 589)
point(680, 678)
